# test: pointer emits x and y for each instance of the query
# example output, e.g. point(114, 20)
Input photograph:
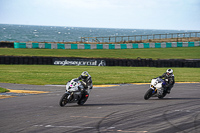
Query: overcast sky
point(132, 14)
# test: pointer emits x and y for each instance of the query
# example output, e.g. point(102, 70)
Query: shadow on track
point(176, 99)
point(104, 104)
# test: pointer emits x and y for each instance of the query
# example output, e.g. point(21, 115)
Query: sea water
point(24, 33)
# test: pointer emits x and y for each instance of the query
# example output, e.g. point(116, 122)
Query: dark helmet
point(84, 75)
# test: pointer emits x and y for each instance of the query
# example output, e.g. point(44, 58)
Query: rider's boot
point(168, 90)
point(85, 95)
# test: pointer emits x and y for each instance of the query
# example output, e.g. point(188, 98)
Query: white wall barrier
point(105, 46)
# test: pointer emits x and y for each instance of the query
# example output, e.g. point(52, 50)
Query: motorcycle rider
point(86, 81)
point(169, 79)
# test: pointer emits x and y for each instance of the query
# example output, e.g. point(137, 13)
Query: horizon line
point(98, 27)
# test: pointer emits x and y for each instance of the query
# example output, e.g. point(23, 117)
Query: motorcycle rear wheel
point(163, 95)
point(63, 100)
point(148, 94)
point(82, 101)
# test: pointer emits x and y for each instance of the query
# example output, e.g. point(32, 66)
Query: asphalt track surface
point(118, 109)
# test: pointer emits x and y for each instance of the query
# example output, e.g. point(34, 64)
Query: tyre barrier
point(26, 60)
point(36, 60)
point(6, 44)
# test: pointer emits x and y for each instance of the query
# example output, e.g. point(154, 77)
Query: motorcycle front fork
point(69, 96)
point(154, 90)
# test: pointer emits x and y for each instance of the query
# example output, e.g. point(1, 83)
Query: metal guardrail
point(139, 38)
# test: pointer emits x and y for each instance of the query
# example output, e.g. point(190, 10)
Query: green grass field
point(3, 90)
point(154, 53)
point(53, 74)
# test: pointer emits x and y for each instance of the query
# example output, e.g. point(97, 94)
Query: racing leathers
point(169, 80)
point(87, 84)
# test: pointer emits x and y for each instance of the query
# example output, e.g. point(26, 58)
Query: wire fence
point(141, 38)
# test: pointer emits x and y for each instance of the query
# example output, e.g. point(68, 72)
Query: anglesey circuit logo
point(79, 62)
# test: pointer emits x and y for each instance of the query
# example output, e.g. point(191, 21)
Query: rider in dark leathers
point(169, 79)
point(86, 81)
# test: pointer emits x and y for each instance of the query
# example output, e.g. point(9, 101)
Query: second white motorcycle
point(156, 89)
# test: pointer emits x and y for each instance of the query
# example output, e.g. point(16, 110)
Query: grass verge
point(2, 90)
point(53, 74)
point(154, 53)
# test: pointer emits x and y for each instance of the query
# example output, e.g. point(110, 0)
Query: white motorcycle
point(156, 89)
point(73, 93)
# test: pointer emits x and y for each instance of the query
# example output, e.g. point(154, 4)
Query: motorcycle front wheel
point(148, 94)
point(64, 100)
